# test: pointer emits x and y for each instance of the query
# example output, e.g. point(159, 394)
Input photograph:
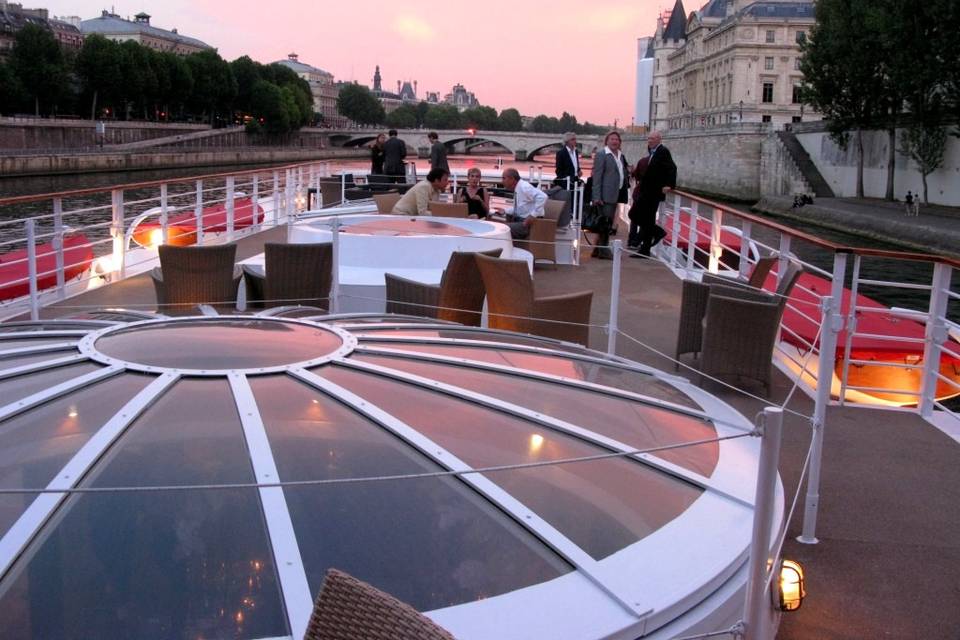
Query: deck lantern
point(791, 590)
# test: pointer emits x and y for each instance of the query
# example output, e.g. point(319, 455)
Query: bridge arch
point(475, 141)
point(357, 142)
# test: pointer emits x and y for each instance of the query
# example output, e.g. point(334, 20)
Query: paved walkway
point(936, 229)
point(888, 561)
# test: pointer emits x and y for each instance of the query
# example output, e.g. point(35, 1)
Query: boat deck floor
point(888, 561)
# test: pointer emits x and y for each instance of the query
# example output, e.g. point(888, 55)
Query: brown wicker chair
point(331, 191)
point(757, 277)
point(189, 276)
point(386, 201)
point(449, 209)
point(512, 305)
point(541, 241)
point(294, 274)
point(458, 297)
point(350, 609)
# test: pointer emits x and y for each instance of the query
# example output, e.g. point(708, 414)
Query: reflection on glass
point(157, 565)
point(13, 389)
point(38, 443)
point(28, 343)
point(12, 363)
point(219, 344)
point(609, 376)
point(635, 424)
point(430, 542)
point(603, 506)
point(373, 333)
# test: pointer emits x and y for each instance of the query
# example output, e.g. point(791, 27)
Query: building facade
point(643, 100)
point(731, 61)
point(461, 98)
point(113, 27)
point(322, 87)
point(14, 16)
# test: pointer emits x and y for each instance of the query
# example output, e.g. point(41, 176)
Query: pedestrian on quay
point(659, 177)
point(394, 153)
point(910, 203)
point(438, 152)
point(568, 163)
point(528, 204)
point(609, 177)
point(377, 155)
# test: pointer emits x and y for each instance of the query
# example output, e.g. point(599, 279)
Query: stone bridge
point(523, 145)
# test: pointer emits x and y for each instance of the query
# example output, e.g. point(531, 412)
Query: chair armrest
point(741, 292)
point(255, 281)
point(156, 276)
point(568, 307)
point(409, 297)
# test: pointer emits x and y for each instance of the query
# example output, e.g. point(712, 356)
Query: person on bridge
point(438, 152)
point(528, 204)
point(660, 176)
point(568, 162)
point(394, 152)
point(416, 201)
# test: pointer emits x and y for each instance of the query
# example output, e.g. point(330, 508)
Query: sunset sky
point(540, 57)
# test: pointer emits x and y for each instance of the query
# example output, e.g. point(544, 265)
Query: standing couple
point(655, 174)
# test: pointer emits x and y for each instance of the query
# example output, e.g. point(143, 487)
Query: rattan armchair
point(449, 209)
point(512, 304)
point(542, 239)
point(191, 276)
point(294, 274)
point(350, 609)
point(386, 201)
point(458, 297)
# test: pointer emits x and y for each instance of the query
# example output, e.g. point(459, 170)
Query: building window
point(768, 63)
point(796, 64)
point(765, 118)
point(768, 92)
point(797, 94)
point(796, 119)
point(801, 37)
point(771, 35)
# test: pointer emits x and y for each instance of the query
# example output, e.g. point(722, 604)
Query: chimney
point(398, 87)
point(414, 87)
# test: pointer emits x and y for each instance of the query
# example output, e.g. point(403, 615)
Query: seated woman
point(476, 197)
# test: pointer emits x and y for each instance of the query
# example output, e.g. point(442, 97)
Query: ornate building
point(730, 61)
point(461, 98)
point(322, 87)
point(113, 27)
point(406, 92)
point(14, 16)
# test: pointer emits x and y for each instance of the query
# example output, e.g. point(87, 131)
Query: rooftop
point(112, 24)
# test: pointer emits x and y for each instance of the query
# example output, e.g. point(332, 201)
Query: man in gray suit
point(609, 176)
point(438, 152)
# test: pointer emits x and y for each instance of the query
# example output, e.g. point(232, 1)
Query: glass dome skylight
point(200, 475)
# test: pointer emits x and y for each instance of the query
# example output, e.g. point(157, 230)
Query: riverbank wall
point(66, 164)
point(47, 133)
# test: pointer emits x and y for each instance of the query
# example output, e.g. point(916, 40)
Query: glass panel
point(379, 531)
point(13, 389)
point(375, 332)
point(603, 506)
point(157, 565)
point(12, 363)
point(52, 325)
point(29, 343)
point(627, 380)
point(219, 344)
point(36, 444)
point(633, 423)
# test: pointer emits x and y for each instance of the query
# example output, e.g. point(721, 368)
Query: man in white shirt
point(416, 201)
point(528, 204)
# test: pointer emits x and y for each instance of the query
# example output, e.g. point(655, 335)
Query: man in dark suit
point(568, 162)
point(394, 153)
point(660, 176)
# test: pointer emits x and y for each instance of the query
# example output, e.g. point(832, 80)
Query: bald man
point(659, 178)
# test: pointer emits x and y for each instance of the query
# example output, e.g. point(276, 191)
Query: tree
point(99, 68)
point(247, 73)
point(510, 120)
point(568, 123)
point(214, 87)
point(422, 109)
point(545, 124)
point(11, 93)
point(358, 103)
point(181, 82)
point(39, 66)
point(442, 116)
point(403, 117)
point(269, 106)
point(843, 78)
point(480, 118)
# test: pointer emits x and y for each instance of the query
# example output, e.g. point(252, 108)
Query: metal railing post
point(58, 246)
point(675, 235)
point(831, 324)
point(771, 427)
point(116, 232)
point(276, 197)
point(198, 212)
point(230, 208)
point(936, 335)
point(716, 248)
point(335, 267)
point(255, 219)
point(784, 258)
point(164, 228)
point(692, 233)
point(613, 325)
point(851, 327)
point(746, 231)
point(343, 188)
point(32, 269)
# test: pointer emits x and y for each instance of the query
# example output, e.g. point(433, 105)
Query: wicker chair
point(331, 192)
point(757, 277)
point(386, 201)
point(458, 297)
point(512, 305)
point(350, 609)
point(449, 209)
point(189, 276)
point(541, 241)
point(295, 274)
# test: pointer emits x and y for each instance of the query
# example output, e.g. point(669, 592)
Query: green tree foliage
point(484, 118)
point(925, 144)
point(443, 116)
point(39, 65)
point(270, 107)
point(100, 71)
point(214, 87)
point(360, 105)
point(422, 109)
point(403, 117)
point(12, 96)
point(510, 120)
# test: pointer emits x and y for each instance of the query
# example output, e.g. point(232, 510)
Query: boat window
point(378, 531)
point(13, 389)
point(632, 423)
point(171, 564)
point(603, 506)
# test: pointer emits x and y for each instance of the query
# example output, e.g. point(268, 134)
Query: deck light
point(791, 590)
point(156, 237)
point(536, 441)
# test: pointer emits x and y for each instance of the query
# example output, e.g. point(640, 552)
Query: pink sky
point(540, 57)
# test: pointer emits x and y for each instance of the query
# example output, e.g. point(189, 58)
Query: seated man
point(528, 204)
point(416, 201)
